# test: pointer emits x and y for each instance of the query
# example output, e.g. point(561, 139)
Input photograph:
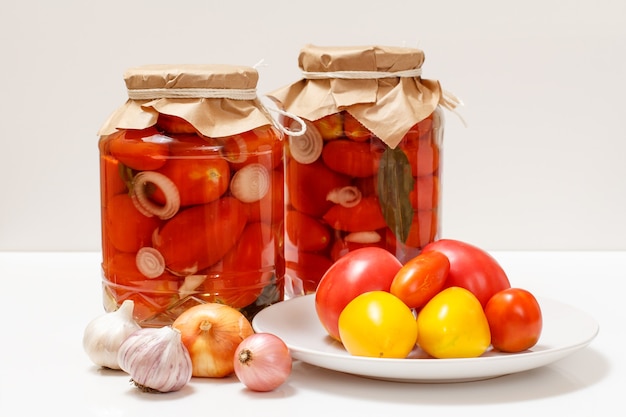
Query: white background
point(540, 165)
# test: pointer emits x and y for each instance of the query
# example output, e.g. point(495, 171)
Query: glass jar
point(191, 193)
point(367, 171)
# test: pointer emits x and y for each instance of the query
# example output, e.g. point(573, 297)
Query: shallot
point(262, 362)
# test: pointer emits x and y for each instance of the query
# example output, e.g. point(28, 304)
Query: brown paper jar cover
point(212, 117)
point(388, 107)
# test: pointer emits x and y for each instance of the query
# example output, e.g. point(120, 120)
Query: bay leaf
point(395, 183)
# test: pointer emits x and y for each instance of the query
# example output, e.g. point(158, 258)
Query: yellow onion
point(212, 332)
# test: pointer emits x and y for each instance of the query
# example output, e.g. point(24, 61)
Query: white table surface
point(48, 298)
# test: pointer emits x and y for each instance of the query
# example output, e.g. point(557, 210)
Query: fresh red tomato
point(359, 271)
point(142, 150)
point(421, 278)
point(471, 268)
point(515, 320)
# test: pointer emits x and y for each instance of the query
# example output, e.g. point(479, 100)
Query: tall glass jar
point(367, 171)
point(191, 193)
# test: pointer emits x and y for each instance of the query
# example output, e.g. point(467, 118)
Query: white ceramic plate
point(565, 330)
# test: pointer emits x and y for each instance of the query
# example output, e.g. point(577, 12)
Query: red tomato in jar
point(421, 130)
point(125, 282)
point(471, 268)
point(309, 184)
point(331, 126)
point(515, 320)
point(260, 145)
point(425, 193)
point(199, 236)
point(246, 269)
point(354, 130)
point(308, 267)
point(423, 155)
point(423, 230)
point(198, 181)
point(355, 159)
point(126, 228)
point(306, 232)
point(193, 145)
point(174, 124)
point(111, 182)
point(366, 215)
point(365, 269)
point(421, 278)
point(141, 150)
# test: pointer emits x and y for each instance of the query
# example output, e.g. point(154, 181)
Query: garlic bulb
point(156, 359)
point(104, 335)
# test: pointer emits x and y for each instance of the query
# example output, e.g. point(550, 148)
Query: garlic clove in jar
point(156, 359)
point(104, 335)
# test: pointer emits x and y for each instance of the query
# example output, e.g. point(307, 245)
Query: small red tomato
point(515, 320)
point(421, 278)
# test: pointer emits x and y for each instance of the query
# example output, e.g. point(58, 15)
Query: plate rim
point(356, 364)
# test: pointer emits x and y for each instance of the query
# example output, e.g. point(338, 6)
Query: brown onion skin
point(211, 333)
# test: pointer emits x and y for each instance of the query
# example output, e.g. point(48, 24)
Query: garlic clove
point(104, 335)
point(365, 237)
point(156, 359)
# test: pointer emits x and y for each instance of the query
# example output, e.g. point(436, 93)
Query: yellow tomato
point(378, 324)
point(453, 325)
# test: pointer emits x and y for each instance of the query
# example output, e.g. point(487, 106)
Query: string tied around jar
point(448, 100)
point(217, 93)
